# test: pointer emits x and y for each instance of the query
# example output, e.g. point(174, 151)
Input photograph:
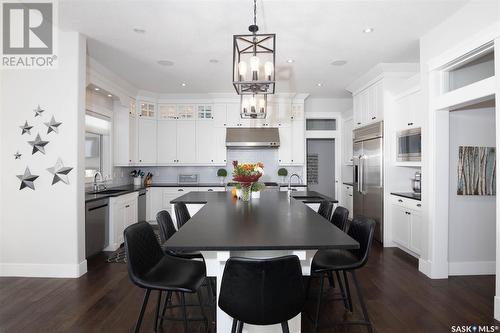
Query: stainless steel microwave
point(409, 145)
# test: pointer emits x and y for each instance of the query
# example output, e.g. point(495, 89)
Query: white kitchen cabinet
point(347, 127)
point(409, 111)
point(167, 111)
point(285, 114)
point(125, 136)
point(368, 105)
point(146, 143)
point(347, 198)
point(186, 111)
point(204, 112)
point(407, 224)
point(206, 142)
point(147, 110)
point(298, 111)
point(219, 115)
point(219, 135)
point(167, 141)
point(298, 141)
point(233, 115)
point(186, 141)
point(122, 213)
point(285, 148)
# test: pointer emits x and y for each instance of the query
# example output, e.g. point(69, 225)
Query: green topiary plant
point(256, 187)
point(222, 173)
point(282, 172)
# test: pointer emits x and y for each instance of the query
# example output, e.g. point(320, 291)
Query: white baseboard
point(424, 266)
point(497, 308)
point(43, 270)
point(472, 268)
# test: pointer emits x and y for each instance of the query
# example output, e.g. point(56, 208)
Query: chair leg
point(349, 298)
point(331, 280)
point(316, 320)
point(284, 327)
point(235, 323)
point(240, 327)
point(200, 299)
point(184, 312)
point(158, 309)
point(362, 302)
point(143, 308)
point(342, 290)
point(167, 299)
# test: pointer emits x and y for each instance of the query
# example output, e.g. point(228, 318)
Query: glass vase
point(246, 191)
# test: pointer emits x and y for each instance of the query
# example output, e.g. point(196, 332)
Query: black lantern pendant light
point(254, 60)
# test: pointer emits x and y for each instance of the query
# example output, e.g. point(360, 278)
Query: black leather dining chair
point(151, 269)
point(325, 209)
point(339, 217)
point(324, 261)
point(262, 291)
point(181, 214)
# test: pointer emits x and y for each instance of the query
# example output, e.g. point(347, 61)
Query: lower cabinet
point(122, 213)
point(407, 225)
point(347, 198)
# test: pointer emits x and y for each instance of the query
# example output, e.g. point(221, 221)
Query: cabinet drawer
point(407, 203)
point(348, 189)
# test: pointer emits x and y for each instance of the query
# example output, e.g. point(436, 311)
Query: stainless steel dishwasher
point(96, 226)
point(141, 206)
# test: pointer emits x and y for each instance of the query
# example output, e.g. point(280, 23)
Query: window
point(97, 146)
point(321, 124)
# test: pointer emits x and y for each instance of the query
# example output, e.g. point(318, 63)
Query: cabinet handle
point(373, 118)
point(399, 200)
point(410, 124)
point(419, 205)
point(224, 124)
point(140, 160)
point(180, 190)
point(350, 195)
point(127, 206)
point(358, 123)
point(210, 190)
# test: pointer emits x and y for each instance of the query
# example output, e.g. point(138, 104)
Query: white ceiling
point(191, 32)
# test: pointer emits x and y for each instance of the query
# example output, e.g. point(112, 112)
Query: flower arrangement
point(247, 172)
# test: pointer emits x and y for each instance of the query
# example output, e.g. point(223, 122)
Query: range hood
point(252, 138)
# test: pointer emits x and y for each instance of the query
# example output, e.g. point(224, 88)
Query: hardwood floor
point(399, 299)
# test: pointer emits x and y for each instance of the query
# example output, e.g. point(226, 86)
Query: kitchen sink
point(106, 192)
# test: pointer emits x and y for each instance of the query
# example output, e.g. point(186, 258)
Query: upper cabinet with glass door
point(147, 110)
point(186, 112)
point(204, 112)
point(167, 111)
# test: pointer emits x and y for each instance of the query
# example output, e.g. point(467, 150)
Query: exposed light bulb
point(262, 105)
point(268, 69)
point(253, 104)
point(244, 105)
point(242, 70)
point(254, 67)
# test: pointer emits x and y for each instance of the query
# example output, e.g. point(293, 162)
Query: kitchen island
point(271, 226)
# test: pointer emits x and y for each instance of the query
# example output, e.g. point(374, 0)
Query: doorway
point(321, 166)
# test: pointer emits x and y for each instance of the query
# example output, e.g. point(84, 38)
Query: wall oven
point(409, 145)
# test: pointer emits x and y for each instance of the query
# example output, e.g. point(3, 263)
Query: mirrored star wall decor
point(38, 145)
point(52, 125)
point(26, 128)
point(38, 111)
point(27, 180)
point(60, 172)
point(17, 155)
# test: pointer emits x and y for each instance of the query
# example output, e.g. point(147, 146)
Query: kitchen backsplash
point(209, 174)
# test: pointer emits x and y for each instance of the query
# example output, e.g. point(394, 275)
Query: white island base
point(216, 261)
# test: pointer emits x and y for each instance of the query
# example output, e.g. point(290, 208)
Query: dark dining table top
point(273, 222)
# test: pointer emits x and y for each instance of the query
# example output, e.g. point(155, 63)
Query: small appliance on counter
point(187, 179)
point(417, 182)
point(137, 176)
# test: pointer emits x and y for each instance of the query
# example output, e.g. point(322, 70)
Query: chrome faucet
point(96, 186)
point(290, 182)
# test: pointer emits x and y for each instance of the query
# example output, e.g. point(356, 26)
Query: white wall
point(471, 242)
point(464, 24)
point(43, 230)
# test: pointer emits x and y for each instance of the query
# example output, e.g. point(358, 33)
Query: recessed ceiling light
point(339, 62)
point(109, 95)
point(96, 89)
point(139, 30)
point(368, 30)
point(213, 61)
point(183, 84)
point(290, 61)
point(319, 84)
point(165, 62)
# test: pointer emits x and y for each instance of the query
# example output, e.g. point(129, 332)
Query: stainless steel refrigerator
point(368, 169)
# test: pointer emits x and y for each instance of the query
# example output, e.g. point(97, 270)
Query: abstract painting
point(476, 171)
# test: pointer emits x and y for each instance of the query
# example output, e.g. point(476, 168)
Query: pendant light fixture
point(254, 60)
